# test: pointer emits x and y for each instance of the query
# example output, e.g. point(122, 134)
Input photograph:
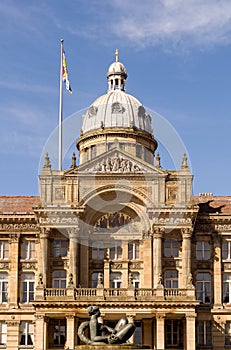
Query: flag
point(65, 74)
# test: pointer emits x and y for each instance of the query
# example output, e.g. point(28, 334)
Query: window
point(3, 287)
point(171, 247)
point(228, 334)
point(122, 145)
point(134, 250)
point(28, 282)
point(139, 151)
point(3, 333)
point(28, 250)
point(204, 333)
point(95, 279)
point(93, 151)
point(116, 280)
point(4, 250)
point(202, 250)
point(227, 288)
point(97, 251)
point(59, 278)
point(203, 287)
point(146, 154)
point(116, 252)
point(59, 332)
point(136, 279)
point(26, 333)
point(171, 279)
point(110, 146)
point(226, 250)
point(60, 247)
point(172, 333)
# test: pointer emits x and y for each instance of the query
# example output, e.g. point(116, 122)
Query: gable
point(116, 161)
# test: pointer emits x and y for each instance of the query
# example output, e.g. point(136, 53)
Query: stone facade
point(119, 232)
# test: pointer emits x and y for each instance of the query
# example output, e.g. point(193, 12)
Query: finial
point(47, 164)
point(73, 163)
point(117, 55)
point(184, 164)
point(158, 161)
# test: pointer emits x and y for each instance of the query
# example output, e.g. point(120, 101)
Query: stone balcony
point(115, 294)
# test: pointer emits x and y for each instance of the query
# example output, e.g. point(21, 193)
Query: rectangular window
point(110, 146)
point(26, 333)
point(171, 279)
point(28, 250)
point(172, 333)
point(228, 334)
point(116, 280)
point(60, 247)
point(139, 151)
point(97, 251)
point(116, 252)
point(204, 333)
point(4, 249)
point(171, 247)
point(226, 250)
point(134, 250)
point(3, 333)
point(59, 332)
point(203, 287)
point(93, 151)
point(3, 288)
point(122, 145)
point(59, 278)
point(202, 250)
point(135, 279)
point(227, 288)
point(28, 284)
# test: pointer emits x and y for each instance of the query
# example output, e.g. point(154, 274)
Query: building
point(120, 232)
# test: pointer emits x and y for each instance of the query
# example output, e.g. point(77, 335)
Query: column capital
point(45, 232)
point(14, 237)
point(73, 232)
point(70, 316)
point(147, 236)
point(191, 315)
point(158, 231)
point(160, 316)
point(187, 232)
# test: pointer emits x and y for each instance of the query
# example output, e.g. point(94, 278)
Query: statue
point(101, 334)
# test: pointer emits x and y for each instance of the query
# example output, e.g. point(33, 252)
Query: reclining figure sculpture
point(101, 334)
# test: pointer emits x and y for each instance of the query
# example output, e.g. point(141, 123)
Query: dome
point(116, 109)
point(117, 68)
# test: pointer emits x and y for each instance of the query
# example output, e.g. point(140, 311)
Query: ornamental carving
point(135, 265)
point(223, 228)
point(147, 235)
point(14, 238)
point(117, 108)
point(59, 220)
point(28, 265)
point(19, 227)
point(92, 111)
point(113, 220)
point(117, 165)
point(59, 193)
point(4, 265)
point(116, 265)
point(172, 221)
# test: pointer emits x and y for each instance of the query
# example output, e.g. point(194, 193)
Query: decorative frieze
point(116, 265)
point(28, 265)
point(19, 227)
point(135, 265)
point(4, 265)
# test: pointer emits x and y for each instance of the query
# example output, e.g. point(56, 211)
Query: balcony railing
point(119, 294)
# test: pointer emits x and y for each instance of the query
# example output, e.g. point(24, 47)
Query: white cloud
point(176, 22)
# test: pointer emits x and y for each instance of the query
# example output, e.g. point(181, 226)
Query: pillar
point(106, 268)
point(160, 332)
point(43, 262)
point(84, 258)
point(70, 339)
point(186, 257)
point(217, 271)
point(73, 253)
point(190, 332)
point(157, 252)
point(14, 268)
point(40, 332)
point(147, 275)
point(12, 334)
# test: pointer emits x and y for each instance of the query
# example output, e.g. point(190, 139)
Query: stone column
point(70, 339)
point(186, 257)
point(40, 332)
point(14, 268)
point(160, 331)
point(43, 259)
point(12, 334)
point(157, 252)
point(190, 332)
point(147, 275)
point(73, 254)
point(217, 271)
point(106, 269)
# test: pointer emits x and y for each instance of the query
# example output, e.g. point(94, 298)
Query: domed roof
point(116, 109)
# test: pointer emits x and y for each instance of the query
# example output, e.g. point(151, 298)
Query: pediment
point(116, 161)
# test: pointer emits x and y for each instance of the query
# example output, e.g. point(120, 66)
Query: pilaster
point(70, 339)
point(73, 253)
point(157, 250)
point(12, 334)
point(40, 332)
point(14, 263)
point(217, 271)
point(147, 275)
point(160, 331)
point(186, 256)
point(190, 331)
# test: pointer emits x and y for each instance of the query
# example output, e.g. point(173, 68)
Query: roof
point(18, 204)
point(213, 204)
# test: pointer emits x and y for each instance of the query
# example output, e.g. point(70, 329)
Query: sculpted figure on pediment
point(117, 165)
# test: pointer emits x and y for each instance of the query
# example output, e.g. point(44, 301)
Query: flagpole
point(61, 106)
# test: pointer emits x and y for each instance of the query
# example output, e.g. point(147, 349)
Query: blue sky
point(178, 57)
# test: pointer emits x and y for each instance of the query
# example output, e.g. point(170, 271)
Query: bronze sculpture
point(101, 334)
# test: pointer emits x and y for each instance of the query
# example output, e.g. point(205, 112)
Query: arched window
point(95, 279)
point(136, 279)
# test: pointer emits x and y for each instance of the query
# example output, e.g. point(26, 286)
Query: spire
point(117, 55)
point(116, 74)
